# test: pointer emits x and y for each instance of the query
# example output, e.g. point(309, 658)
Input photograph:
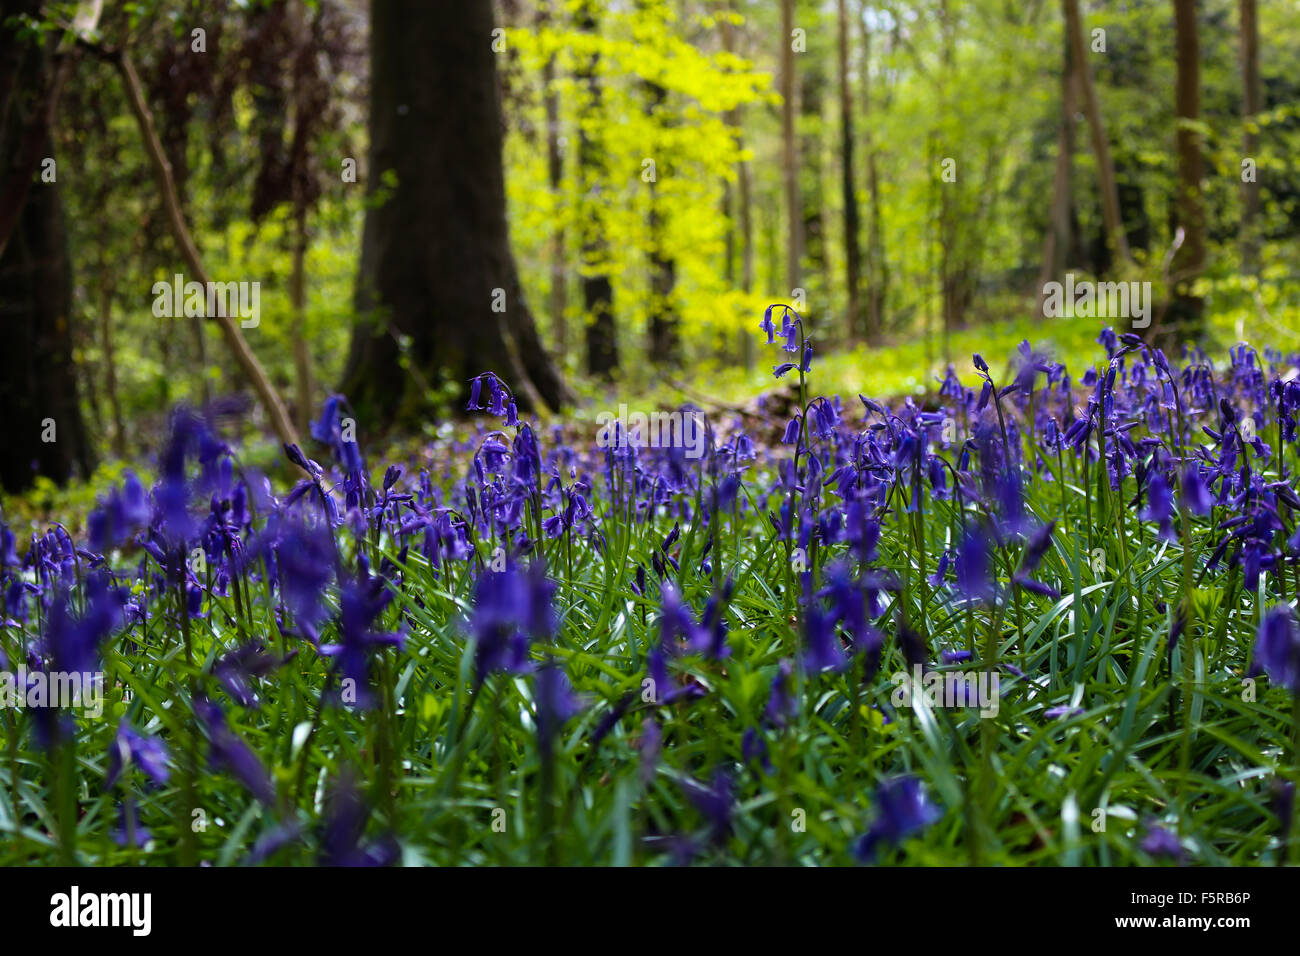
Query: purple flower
point(753, 749)
point(1277, 648)
point(902, 809)
point(119, 515)
point(782, 704)
point(511, 607)
point(974, 562)
point(1161, 842)
point(714, 801)
point(555, 702)
point(1056, 713)
point(128, 747)
point(330, 430)
point(229, 752)
point(128, 832)
point(238, 669)
point(343, 840)
point(361, 602)
point(823, 650)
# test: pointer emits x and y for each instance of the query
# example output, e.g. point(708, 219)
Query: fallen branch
point(248, 362)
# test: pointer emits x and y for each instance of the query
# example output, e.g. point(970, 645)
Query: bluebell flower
point(229, 752)
point(343, 841)
point(131, 747)
point(129, 832)
point(753, 749)
point(902, 810)
point(361, 601)
point(782, 703)
point(974, 566)
point(1277, 648)
point(511, 608)
point(555, 702)
point(1160, 842)
point(715, 802)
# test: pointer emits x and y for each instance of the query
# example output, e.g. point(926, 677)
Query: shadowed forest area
point(649, 432)
point(897, 172)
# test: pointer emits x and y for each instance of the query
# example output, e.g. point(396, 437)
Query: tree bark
point(789, 151)
point(877, 264)
point(559, 301)
point(812, 91)
point(597, 289)
point(852, 250)
point(665, 345)
point(436, 265)
point(1058, 243)
point(1251, 104)
point(45, 433)
point(740, 207)
point(1186, 309)
point(1115, 234)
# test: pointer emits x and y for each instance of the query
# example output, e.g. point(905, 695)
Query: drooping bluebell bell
point(715, 801)
point(822, 649)
point(753, 749)
point(71, 644)
point(902, 810)
point(500, 400)
point(119, 515)
point(239, 669)
point(129, 832)
point(1277, 648)
point(1160, 842)
point(975, 566)
point(229, 752)
point(1035, 549)
point(650, 748)
point(131, 747)
point(343, 836)
point(511, 608)
point(782, 702)
point(1160, 505)
point(555, 702)
point(361, 601)
point(338, 432)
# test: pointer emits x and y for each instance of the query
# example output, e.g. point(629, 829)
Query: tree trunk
point(597, 290)
point(45, 433)
point(436, 267)
point(1185, 312)
point(1116, 237)
point(789, 151)
point(1058, 243)
point(559, 302)
point(877, 264)
point(852, 251)
point(1251, 103)
point(665, 345)
point(44, 430)
point(812, 89)
point(743, 200)
point(947, 206)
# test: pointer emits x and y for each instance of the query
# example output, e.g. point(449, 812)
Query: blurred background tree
point(905, 172)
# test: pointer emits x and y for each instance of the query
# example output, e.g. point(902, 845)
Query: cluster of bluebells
point(1185, 448)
